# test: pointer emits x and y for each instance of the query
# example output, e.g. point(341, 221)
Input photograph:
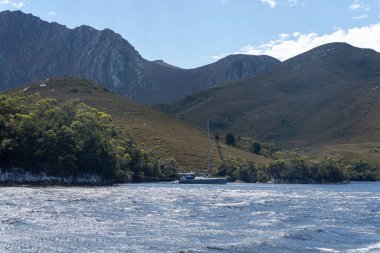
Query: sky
point(192, 33)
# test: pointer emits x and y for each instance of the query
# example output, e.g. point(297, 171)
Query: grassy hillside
point(317, 101)
point(162, 134)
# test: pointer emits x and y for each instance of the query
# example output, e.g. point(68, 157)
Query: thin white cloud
point(358, 5)
point(18, 5)
point(292, 2)
point(363, 16)
point(271, 3)
point(52, 13)
point(12, 4)
point(283, 36)
point(355, 5)
point(364, 37)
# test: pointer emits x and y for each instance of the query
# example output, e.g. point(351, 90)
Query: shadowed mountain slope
point(327, 96)
point(32, 49)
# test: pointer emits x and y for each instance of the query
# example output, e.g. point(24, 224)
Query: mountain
point(164, 135)
point(32, 49)
point(326, 99)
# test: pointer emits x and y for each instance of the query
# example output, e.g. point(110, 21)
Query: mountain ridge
point(32, 49)
point(320, 98)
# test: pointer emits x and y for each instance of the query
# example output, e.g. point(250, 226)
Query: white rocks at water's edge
point(21, 176)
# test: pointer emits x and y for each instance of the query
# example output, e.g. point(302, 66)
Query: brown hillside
point(327, 96)
point(160, 133)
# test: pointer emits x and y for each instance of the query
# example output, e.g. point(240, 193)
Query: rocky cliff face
point(32, 49)
point(235, 67)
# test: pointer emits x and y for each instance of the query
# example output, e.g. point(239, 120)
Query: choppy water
point(192, 218)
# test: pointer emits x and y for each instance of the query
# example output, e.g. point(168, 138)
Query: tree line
point(71, 139)
point(291, 167)
point(288, 166)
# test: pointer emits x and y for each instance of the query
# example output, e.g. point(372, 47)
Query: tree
point(229, 139)
point(361, 170)
point(256, 148)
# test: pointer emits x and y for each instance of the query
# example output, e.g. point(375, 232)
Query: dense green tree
point(229, 139)
point(361, 170)
point(256, 148)
point(69, 139)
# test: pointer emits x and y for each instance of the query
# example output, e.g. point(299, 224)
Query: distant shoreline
point(45, 184)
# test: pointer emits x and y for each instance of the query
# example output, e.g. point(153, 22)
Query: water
point(192, 218)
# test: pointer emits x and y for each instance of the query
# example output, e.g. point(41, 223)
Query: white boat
point(193, 178)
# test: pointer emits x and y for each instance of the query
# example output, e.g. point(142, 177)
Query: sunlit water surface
point(192, 218)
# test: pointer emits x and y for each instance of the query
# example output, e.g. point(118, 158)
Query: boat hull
point(203, 181)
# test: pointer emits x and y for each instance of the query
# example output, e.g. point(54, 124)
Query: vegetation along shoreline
point(71, 143)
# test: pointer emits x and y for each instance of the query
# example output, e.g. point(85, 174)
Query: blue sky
point(191, 33)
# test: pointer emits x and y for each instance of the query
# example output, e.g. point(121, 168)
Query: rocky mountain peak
point(32, 49)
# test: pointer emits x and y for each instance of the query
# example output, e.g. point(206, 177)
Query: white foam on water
point(328, 250)
point(370, 248)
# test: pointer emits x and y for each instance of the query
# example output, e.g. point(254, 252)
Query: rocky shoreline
point(22, 177)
